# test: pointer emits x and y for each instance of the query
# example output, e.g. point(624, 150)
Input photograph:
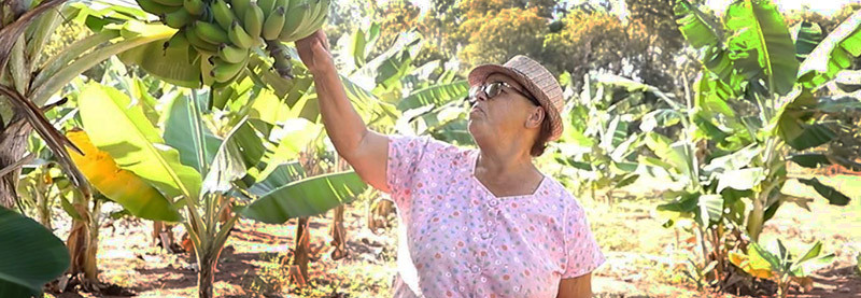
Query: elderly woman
point(474, 223)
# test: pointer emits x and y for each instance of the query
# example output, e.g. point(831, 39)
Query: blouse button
point(493, 202)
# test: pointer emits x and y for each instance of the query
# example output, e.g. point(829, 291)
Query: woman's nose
point(481, 96)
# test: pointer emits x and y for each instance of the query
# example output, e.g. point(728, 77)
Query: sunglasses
point(492, 90)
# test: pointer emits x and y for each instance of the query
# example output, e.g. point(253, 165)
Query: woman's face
point(509, 113)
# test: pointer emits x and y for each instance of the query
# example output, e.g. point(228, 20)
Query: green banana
point(232, 54)
point(298, 11)
point(321, 15)
point(178, 40)
point(194, 7)
point(268, 6)
point(200, 44)
point(282, 64)
point(272, 26)
point(222, 13)
point(211, 32)
point(239, 7)
point(155, 8)
point(253, 20)
point(239, 37)
point(178, 18)
point(224, 71)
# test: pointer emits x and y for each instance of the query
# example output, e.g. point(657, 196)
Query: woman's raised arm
point(365, 150)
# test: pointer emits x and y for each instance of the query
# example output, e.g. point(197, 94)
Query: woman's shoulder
point(429, 147)
point(561, 195)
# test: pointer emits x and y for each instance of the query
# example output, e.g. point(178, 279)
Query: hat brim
point(479, 73)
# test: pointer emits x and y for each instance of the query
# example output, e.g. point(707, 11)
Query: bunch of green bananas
point(227, 32)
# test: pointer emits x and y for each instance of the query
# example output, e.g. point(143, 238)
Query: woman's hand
point(314, 52)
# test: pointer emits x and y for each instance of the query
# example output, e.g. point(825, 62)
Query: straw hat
point(536, 79)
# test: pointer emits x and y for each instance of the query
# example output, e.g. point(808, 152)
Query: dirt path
point(643, 266)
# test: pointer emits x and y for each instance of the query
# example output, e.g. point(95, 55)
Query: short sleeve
point(405, 156)
point(583, 253)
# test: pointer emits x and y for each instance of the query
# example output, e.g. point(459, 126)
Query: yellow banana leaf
point(122, 186)
point(742, 261)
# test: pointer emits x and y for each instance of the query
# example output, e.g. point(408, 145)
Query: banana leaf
point(121, 186)
point(169, 64)
point(435, 95)
point(185, 131)
point(807, 36)
point(240, 151)
point(833, 196)
point(307, 197)
point(121, 129)
point(835, 53)
point(761, 46)
point(30, 255)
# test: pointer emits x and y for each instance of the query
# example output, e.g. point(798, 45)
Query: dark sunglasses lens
point(493, 89)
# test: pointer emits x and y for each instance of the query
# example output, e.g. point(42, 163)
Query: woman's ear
point(536, 117)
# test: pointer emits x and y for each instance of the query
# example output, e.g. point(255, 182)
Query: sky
point(826, 7)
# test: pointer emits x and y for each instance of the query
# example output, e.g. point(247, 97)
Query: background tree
point(593, 40)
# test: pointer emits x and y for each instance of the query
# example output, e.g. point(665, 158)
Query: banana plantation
point(176, 148)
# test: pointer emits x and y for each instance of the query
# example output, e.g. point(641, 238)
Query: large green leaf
point(808, 267)
point(267, 107)
point(661, 118)
point(710, 208)
point(743, 179)
point(735, 160)
point(185, 131)
point(807, 36)
point(307, 197)
point(695, 27)
point(833, 196)
point(674, 154)
point(117, 126)
point(436, 95)
point(811, 160)
point(133, 33)
point(684, 203)
point(812, 136)
point(241, 150)
point(834, 53)
point(281, 175)
point(811, 261)
point(838, 105)
point(761, 45)
point(169, 64)
point(30, 255)
point(295, 136)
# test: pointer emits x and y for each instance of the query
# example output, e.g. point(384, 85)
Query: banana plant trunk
point(83, 241)
point(206, 276)
point(338, 234)
point(13, 145)
point(301, 256)
point(756, 218)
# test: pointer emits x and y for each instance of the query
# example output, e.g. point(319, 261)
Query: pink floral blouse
point(459, 240)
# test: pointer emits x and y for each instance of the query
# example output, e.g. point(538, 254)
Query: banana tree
point(781, 266)
point(181, 164)
point(754, 109)
point(30, 81)
point(600, 142)
point(29, 84)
